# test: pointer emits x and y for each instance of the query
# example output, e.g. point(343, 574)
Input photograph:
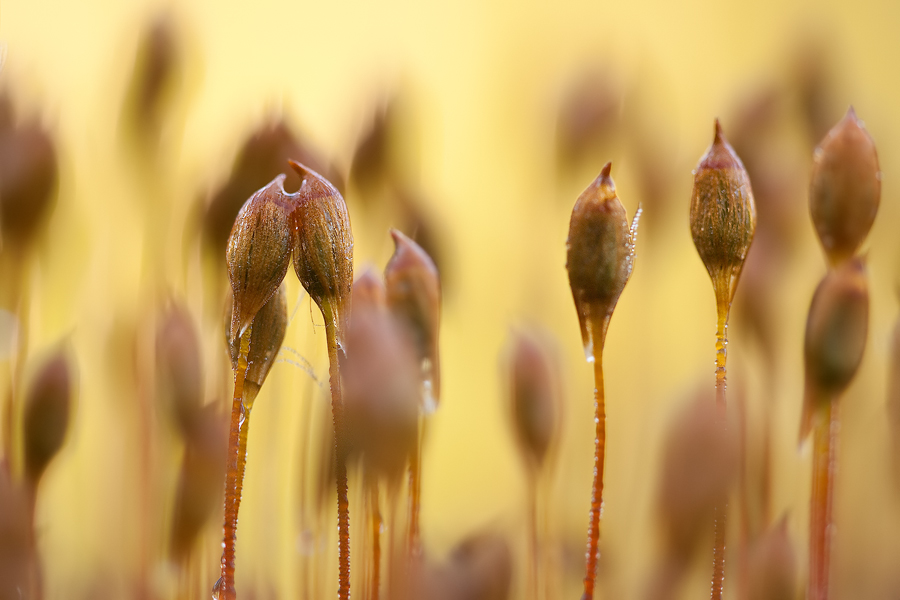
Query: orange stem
point(822, 503)
point(721, 510)
point(225, 586)
point(340, 453)
point(597, 488)
point(415, 495)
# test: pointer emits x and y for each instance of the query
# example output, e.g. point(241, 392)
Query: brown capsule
point(589, 116)
point(323, 241)
point(381, 391)
point(259, 252)
point(836, 333)
point(28, 181)
point(46, 417)
point(269, 328)
point(699, 467)
point(845, 188)
point(414, 296)
point(482, 565)
point(156, 69)
point(723, 215)
point(772, 566)
point(200, 481)
point(372, 158)
point(599, 257)
point(179, 366)
point(535, 395)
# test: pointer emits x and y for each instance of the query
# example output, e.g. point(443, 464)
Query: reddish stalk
point(224, 589)
point(825, 443)
point(597, 488)
point(340, 453)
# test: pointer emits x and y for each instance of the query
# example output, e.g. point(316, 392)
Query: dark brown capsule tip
point(408, 254)
point(602, 189)
point(720, 154)
point(313, 184)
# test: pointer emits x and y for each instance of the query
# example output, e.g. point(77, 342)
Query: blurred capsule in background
point(845, 188)
point(381, 390)
point(200, 480)
point(374, 163)
point(414, 297)
point(836, 334)
point(29, 173)
point(47, 412)
point(179, 366)
point(479, 568)
point(588, 120)
point(157, 74)
point(699, 467)
point(535, 394)
point(814, 86)
point(772, 566)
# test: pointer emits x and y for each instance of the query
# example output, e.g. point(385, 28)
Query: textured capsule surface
point(323, 240)
point(599, 253)
point(723, 215)
point(259, 252)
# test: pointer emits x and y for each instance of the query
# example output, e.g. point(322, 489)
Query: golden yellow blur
point(479, 85)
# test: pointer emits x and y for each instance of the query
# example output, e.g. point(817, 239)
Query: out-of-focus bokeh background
point(489, 119)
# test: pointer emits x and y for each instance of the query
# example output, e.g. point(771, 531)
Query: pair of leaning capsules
point(312, 225)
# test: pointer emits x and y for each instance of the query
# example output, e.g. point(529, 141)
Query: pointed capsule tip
point(301, 169)
point(851, 113)
point(606, 170)
point(718, 137)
